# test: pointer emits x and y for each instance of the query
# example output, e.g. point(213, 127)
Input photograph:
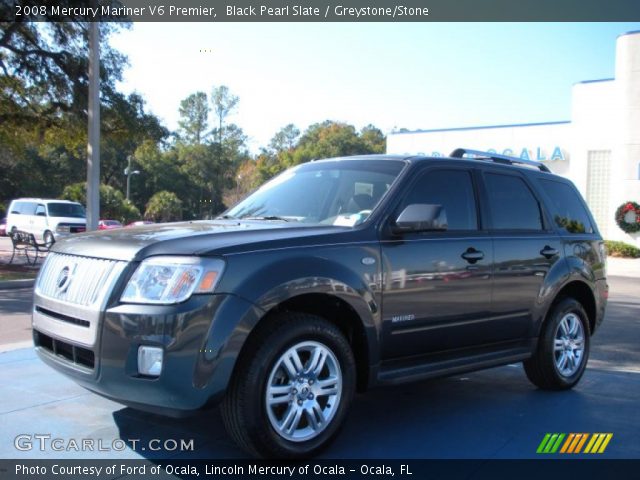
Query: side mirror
point(420, 217)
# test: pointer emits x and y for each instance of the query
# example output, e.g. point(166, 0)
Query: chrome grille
point(88, 278)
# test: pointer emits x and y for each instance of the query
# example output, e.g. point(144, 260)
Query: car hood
point(214, 237)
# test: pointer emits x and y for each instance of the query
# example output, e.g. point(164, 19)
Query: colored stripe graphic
point(556, 446)
point(579, 440)
point(551, 443)
point(584, 439)
point(543, 443)
point(598, 443)
point(574, 442)
point(570, 438)
point(590, 444)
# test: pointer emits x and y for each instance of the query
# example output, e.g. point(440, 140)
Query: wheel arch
point(580, 291)
point(346, 316)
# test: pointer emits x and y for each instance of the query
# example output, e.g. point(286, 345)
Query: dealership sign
point(538, 153)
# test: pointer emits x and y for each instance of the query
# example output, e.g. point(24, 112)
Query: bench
point(26, 243)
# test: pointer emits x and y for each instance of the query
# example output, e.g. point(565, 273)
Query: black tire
point(245, 414)
point(48, 238)
point(542, 368)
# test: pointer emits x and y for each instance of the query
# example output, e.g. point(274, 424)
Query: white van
point(47, 219)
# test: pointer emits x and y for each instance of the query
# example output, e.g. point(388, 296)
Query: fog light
point(150, 361)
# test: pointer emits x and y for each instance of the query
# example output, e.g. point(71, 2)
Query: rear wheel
point(290, 395)
point(563, 348)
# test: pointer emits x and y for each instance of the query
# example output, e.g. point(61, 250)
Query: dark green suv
point(335, 276)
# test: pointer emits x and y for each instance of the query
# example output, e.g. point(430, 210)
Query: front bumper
point(201, 339)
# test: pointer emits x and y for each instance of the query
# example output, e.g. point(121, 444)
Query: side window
point(453, 189)
point(512, 205)
point(26, 208)
point(569, 212)
point(40, 210)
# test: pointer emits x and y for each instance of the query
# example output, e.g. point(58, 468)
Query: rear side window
point(453, 189)
point(569, 212)
point(513, 205)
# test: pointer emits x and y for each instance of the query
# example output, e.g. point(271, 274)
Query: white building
point(599, 149)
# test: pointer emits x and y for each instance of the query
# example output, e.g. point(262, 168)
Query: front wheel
point(563, 348)
point(48, 239)
point(289, 397)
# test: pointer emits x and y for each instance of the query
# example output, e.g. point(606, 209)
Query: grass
point(18, 272)
point(16, 275)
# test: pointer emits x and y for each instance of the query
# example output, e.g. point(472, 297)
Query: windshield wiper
point(266, 217)
point(225, 217)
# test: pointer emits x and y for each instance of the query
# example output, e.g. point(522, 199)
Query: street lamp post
point(128, 172)
point(93, 146)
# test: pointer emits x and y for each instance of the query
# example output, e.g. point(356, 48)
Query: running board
point(394, 372)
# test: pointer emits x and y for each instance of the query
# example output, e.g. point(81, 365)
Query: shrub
point(621, 249)
point(164, 206)
point(112, 202)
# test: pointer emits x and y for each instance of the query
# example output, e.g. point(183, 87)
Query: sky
point(391, 75)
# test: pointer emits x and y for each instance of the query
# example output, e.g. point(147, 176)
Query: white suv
point(47, 219)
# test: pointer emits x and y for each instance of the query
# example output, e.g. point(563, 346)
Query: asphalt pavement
point(15, 318)
point(493, 414)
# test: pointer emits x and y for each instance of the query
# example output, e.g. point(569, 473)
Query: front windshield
point(336, 192)
point(72, 210)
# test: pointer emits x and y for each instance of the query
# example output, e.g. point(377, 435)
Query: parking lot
point(493, 414)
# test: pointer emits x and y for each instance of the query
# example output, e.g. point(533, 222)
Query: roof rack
point(504, 159)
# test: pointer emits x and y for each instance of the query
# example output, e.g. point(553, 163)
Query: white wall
point(626, 161)
point(605, 117)
point(539, 142)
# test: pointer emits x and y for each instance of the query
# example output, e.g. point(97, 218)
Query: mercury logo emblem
point(64, 279)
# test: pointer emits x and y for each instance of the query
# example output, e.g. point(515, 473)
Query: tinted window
point(513, 206)
point(568, 210)
point(66, 210)
point(453, 190)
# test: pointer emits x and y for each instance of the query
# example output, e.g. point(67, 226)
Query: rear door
point(437, 285)
point(525, 248)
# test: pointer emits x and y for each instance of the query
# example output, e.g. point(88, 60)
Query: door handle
point(472, 255)
point(548, 252)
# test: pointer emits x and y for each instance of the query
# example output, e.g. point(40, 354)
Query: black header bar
point(322, 10)
point(541, 469)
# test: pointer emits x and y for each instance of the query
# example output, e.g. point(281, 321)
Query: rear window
point(569, 212)
point(513, 206)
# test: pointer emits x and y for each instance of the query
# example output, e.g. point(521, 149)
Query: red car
point(109, 224)
point(139, 222)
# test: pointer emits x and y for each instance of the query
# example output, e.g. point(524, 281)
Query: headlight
point(167, 280)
